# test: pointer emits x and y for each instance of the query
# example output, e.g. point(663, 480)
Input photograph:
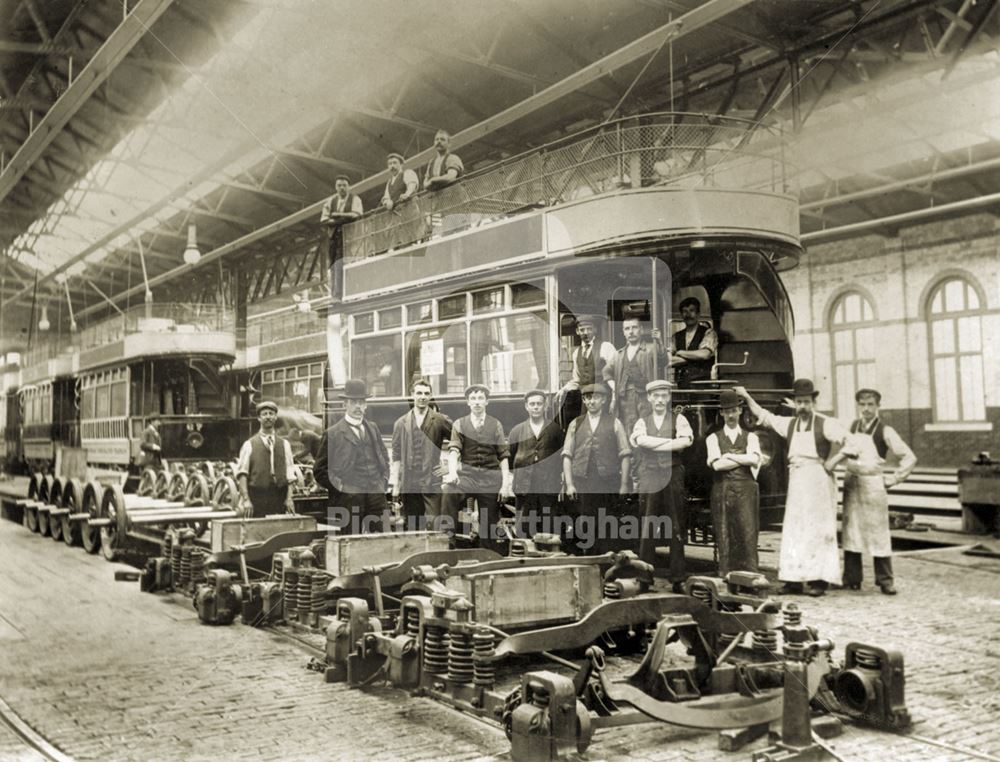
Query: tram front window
point(438, 354)
point(511, 354)
point(378, 360)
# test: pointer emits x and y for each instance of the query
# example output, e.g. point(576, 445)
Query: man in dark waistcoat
point(658, 439)
point(589, 359)
point(734, 455)
point(634, 366)
point(445, 168)
point(694, 348)
point(596, 460)
point(536, 460)
point(265, 470)
point(478, 467)
point(418, 439)
point(402, 183)
point(354, 464)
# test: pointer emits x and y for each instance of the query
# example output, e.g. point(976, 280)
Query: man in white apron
point(866, 504)
point(809, 554)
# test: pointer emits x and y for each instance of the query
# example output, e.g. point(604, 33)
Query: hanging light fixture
point(44, 324)
point(192, 254)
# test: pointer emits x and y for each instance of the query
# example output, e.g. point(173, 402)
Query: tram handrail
point(167, 317)
point(673, 149)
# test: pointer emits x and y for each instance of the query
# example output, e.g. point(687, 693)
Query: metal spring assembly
point(791, 615)
point(702, 593)
point(540, 696)
point(303, 594)
point(460, 665)
point(516, 549)
point(167, 545)
point(765, 642)
point(185, 566)
point(197, 565)
point(867, 659)
point(411, 621)
point(435, 649)
point(290, 593)
point(175, 564)
point(611, 590)
point(483, 643)
point(317, 602)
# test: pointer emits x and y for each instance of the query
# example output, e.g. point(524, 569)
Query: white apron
point(809, 530)
point(866, 504)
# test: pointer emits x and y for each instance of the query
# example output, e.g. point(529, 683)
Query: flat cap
point(595, 389)
point(658, 385)
point(267, 405)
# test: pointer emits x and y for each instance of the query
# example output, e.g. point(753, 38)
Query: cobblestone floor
point(104, 672)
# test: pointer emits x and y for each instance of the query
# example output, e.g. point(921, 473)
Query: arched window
point(956, 345)
point(852, 325)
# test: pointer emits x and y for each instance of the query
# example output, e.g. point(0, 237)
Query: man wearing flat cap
point(596, 460)
point(265, 470)
point(353, 463)
point(809, 553)
point(866, 503)
point(478, 466)
point(589, 360)
point(658, 439)
point(536, 460)
point(402, 183)
point(695, 347)
point(734, 456)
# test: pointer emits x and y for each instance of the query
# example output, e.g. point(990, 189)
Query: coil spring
point(167, 545)
point(277, 566)
point(540, 696)
point(197, 566)
point(303, 592)
point(175, 565)
point(702, 593)
point(185, 565)
point(317, 602)
point(611, 590)
point(460, 664)
point(484, 673)
point(725, 639)
point(435, 649)
point(791, 615)
point(290, 592)
point(867, 659)
point(411, 621)
point(516, 549)
point(765, 641)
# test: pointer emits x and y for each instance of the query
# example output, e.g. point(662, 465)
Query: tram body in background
point(11, 443)
point(482, 282)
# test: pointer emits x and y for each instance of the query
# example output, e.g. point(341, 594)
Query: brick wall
point(897, 273)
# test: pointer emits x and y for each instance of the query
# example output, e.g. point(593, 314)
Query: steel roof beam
point(97, 70)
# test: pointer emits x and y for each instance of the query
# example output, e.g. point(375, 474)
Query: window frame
point(970, 288)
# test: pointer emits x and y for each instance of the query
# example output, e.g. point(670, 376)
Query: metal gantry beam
point(97, 70)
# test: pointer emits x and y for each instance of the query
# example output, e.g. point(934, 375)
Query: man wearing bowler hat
point(809, 553)
point(354, 464)
point(478, 466)
point(597, 467)
point(734, 456)
point(265, 470)
point(658, 439)
point(866, 503)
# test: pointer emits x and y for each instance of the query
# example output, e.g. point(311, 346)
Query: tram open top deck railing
point(669, 149)
point(158, 318)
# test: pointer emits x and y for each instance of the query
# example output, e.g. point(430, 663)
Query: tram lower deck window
point(378, 360)
point(511, 354)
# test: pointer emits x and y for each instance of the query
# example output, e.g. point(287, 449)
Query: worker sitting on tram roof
point(402, 183)
point(265, 470)
point(343, 206)
point(695, 347)
point(478, 466)
point(353, 464)
point(446, 167)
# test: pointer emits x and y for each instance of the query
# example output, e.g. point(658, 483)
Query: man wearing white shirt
point(734, 455)
point(402, 183)
point(342, 206)
point(589, 360)
point(265, 470)
point(658, 439)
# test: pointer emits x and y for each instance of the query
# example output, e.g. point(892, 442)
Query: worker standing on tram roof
point(402, 183)
point(265, 470)
point(445, 168)
point(343, 206)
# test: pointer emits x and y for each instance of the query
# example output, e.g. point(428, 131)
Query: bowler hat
point(355, 389)
point(477, 388)
point(729, 399)
point(594, 389)
point(803, 387)
point(866, 393)
point(655, 386)
point(267, 405)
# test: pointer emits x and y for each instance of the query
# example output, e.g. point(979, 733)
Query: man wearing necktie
point(353, 463)
point(589, 360)
point(265, 471)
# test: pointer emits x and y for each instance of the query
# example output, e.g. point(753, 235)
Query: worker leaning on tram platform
point(695, 346)
point(402, 183)
point(265, 470)
point(445, 168)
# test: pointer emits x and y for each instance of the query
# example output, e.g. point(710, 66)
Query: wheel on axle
point(91, 536)
point(162, 483)
point(225, 494)
point(113, 536)
point(177, 486)
point(72, 499)
point(29, 518)
point(197, 491)
point(55, 500)
point(43, 496)
point(147, 482)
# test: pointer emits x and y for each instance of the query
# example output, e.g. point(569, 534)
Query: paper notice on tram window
point(432, 357)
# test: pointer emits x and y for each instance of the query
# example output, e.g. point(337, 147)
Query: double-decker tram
point(11, 447)
point(482, 282)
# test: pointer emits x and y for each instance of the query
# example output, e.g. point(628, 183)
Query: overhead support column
point(118, 45)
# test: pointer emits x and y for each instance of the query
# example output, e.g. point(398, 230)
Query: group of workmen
point(626, 442)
